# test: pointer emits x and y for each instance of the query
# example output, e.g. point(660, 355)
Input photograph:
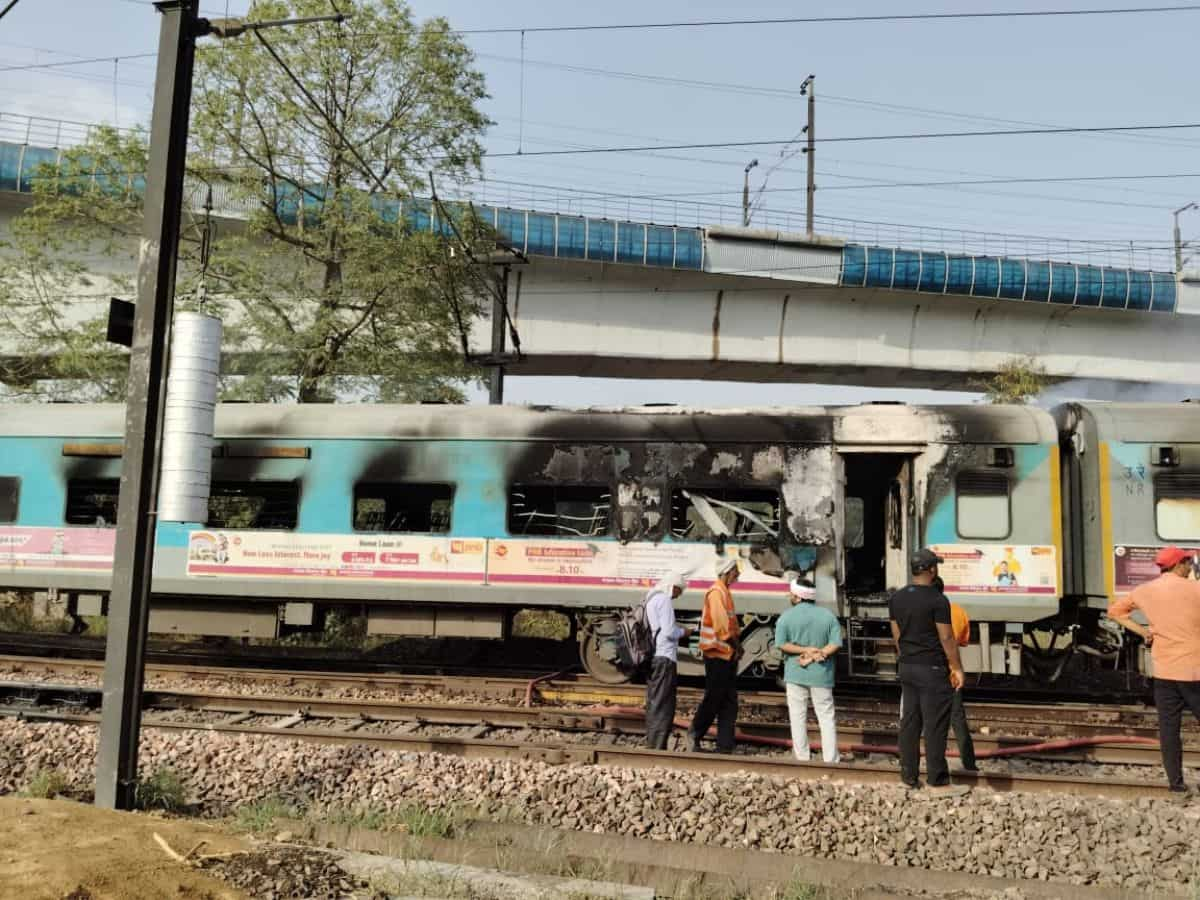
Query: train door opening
point(874, 555)
point(876, 535)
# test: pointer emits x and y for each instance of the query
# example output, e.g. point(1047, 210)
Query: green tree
point(1019, 380)
point(323, 289)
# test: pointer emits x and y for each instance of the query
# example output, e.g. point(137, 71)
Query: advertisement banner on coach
point(998, 568)
point(1134, 565)
point(268, 554)
point(56, 549)
point(599, 564)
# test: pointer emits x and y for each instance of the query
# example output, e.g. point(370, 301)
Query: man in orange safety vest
point(720, 644)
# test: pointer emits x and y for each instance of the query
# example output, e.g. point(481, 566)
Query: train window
point(93, 501)
point(10, 490)
point(267, 505)
point(1177, 506)
point(559, 510)
point(983, 506)
point(744, 514)
point(419, 508)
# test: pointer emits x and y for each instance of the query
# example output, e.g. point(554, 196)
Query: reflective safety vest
point(718, 624)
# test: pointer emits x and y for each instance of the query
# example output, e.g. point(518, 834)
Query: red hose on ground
point(1018, 750)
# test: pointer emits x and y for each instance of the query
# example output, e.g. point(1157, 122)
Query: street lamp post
point(1178, 240)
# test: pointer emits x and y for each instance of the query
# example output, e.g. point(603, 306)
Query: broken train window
point(740, 514)
point(403, 507)
point(559, 510)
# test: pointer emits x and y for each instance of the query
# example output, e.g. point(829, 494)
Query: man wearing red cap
point(1171, 604)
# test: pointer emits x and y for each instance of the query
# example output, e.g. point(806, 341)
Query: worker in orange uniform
point(1171, 603)
point(960, 624)
point(720, 644)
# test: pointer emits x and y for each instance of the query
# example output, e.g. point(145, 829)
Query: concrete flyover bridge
point(603, 296)
point(753, 305)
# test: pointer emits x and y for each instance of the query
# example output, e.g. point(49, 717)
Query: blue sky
point(871, 79)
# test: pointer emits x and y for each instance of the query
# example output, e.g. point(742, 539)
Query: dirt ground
point(59, 849)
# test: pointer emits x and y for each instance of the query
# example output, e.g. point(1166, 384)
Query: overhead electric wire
point(794, 93)
point(834, 20)
point(4, 12)
point(845, 139)
point(75, 62)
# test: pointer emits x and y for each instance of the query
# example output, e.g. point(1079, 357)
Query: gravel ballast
point(1142, 845)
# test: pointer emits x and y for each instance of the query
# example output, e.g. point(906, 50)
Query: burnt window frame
point(74, 483)
point(958, 493)
point(451, 487)
point(609, 532)
point(288, 484)
point(716, 491)
point(15, 481)
point(1174, 476)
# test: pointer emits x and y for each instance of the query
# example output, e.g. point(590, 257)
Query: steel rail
point(634, 757)
point(25, 698)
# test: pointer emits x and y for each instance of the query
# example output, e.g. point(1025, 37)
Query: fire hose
point(1017, 750)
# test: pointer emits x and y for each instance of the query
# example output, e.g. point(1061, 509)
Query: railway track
point(595, 736)
point(1031, 719)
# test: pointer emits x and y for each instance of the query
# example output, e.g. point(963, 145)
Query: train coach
point(444, 521)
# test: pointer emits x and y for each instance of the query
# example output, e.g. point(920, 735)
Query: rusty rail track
point(1059, 720)
point(351, 721)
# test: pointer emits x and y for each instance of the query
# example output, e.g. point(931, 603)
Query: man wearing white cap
point(808, 636)
point(720, 643)
point(664, 679)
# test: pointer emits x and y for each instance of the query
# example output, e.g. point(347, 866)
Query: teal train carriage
point(1131, 473)
point(445, 521)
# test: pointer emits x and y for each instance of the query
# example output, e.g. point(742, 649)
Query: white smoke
point(1116, 391)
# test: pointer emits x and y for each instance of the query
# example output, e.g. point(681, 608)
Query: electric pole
point(746, 193)
point(133, 556)
point(808, 86)
point(1178, 240)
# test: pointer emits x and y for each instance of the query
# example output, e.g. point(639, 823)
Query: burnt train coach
point(1131, 472)
point(444, 521)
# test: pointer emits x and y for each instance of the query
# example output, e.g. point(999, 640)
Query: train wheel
point(598, 659)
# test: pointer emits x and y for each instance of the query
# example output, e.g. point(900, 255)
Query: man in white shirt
point(660, 688)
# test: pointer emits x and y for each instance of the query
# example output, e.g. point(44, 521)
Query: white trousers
point(822, 701)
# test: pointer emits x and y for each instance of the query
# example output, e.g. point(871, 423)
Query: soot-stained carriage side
point(444, 521)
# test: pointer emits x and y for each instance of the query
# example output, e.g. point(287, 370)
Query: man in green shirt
point(808, 636)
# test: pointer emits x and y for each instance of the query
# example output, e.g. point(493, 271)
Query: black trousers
point(1170, 697)
point(962, 732)
point(660, 702)
point(928, 700)
point(720, 703)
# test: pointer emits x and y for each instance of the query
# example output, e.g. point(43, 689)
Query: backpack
point(637, 640)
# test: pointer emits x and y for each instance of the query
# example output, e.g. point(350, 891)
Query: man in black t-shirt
point(930, 673)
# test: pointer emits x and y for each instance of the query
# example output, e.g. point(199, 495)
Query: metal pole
point(133, 559)
point(1178, 239)
point(499, 303)
point(746, 193)
point(811, 150)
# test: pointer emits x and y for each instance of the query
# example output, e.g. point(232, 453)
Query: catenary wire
point(835, 20)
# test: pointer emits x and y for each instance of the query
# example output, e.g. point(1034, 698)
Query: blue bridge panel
point(1037, 281)
point(1007, 278)
point(1163, 296)
point(933, 273)
point(854, 266)
point(987, 277)
point(960, 275)
point(631, 243)
point(1012, 279)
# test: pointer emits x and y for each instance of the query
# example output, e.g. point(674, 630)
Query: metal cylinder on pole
point(189, 418)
